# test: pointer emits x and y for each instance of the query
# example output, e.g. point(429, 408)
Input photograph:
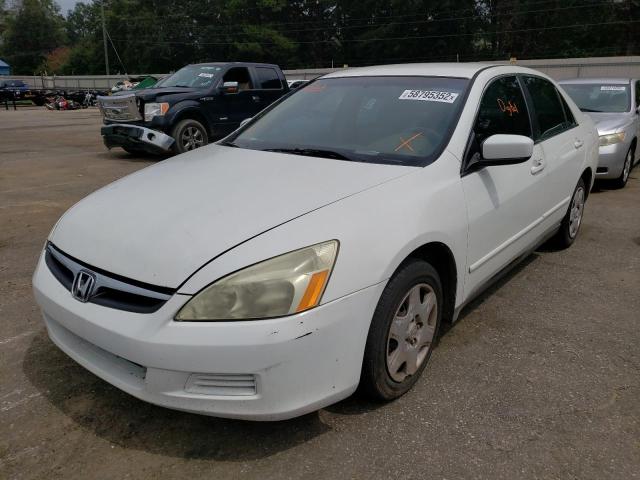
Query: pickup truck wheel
point(188, 135)
point(403, 331)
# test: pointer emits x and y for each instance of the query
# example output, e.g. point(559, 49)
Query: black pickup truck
point(198, 104)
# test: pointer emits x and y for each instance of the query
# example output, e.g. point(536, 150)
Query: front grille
point(120, 108)
point(221, 384)
point(109, 290)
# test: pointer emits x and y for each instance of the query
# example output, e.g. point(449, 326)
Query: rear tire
point(572, 221)
point(189, 134)
point(403, 331)
point(621, 181)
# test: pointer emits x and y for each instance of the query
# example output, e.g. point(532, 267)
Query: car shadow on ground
point(119, 154)
point(130, 423)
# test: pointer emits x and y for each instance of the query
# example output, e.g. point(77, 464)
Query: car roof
point(461, 70)
point(220, 64)
point(583, 80)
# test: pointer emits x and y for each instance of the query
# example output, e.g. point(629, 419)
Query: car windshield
point(397, 120)
point(600, 97)
point(192, 76)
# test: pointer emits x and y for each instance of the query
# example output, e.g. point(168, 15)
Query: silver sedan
point(614, 106)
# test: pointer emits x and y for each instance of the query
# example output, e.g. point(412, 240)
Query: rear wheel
point(621, 181)
point(573, 219)
point(188, 135)
point(403, 331)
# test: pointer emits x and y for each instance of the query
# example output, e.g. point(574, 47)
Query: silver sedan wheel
point(575, 214)
point(192, 138)
point(411, 332)
point(627, 166)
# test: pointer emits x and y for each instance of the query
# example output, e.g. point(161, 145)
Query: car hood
point(161, 224)
point(609, 122)
point(149, 94)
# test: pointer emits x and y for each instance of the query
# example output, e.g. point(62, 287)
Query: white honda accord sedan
point(319, 247)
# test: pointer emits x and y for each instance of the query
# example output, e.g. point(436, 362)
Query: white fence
point(556, 68)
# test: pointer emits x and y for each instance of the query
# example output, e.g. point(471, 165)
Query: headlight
point(154, 110)
point(611, 139)
point(291, 283)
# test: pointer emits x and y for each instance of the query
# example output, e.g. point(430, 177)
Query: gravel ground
point(539, 379)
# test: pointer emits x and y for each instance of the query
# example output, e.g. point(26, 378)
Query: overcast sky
point(66, 5)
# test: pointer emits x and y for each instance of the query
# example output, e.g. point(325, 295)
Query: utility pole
point(104, 39)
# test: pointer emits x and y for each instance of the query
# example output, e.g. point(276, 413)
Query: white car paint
point(200, 216)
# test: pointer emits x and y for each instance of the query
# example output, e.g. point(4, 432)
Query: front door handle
point(538, 166)
point(256, 98)
point(578, 143)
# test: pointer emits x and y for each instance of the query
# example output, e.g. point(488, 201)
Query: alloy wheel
point(192, 138)
point(577, 209)
point(627, 166)
point(412, 332)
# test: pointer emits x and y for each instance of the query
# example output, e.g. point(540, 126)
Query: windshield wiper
point(230, 144)
point(590, 110)
point(310, 152)
point(181, 86)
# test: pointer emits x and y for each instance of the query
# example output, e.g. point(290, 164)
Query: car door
point(503, 202)
point(238, 105)
point(269, 86)
point(636, 107)
point(562, 141)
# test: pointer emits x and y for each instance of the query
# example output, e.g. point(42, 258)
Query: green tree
point(36, 29)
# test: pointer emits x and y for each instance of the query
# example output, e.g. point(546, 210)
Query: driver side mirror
point(504, 149)
point(229, 87)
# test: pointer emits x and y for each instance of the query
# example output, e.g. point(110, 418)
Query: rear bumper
point(256, 370)
point(136, 137)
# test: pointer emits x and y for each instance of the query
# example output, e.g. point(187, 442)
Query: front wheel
point(188, 135)
point(403, 331)
point(573, 219)
point(621, 181)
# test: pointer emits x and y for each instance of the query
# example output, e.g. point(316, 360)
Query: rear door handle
point(256, 98)
point(538, 166)
point(578, 143)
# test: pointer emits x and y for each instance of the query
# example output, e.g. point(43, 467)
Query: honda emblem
point(83, 285)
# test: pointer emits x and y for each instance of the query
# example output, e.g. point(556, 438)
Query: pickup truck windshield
point(600, 97)
point(396, 120)
point(192, 76)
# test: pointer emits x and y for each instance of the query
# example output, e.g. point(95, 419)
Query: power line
point(386, 39)
point(377, 25)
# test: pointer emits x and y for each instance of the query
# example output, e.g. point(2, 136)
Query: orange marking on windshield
point(407, 143)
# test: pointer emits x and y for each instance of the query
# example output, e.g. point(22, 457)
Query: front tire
point(189, 134)
point(403, 331)
point(572, 221)
point(621, 181)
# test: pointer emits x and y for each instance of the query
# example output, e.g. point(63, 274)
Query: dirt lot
point(540, 378)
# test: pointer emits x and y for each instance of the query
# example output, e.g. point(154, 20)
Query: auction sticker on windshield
point(429, 96)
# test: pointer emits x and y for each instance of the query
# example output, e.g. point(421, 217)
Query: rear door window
point(548, 111)
point(268, 78)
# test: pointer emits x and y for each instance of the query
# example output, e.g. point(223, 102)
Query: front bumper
point(611, 160)
point(136, 137)
point(256, 370)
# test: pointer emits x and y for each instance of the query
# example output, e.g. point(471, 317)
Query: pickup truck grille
point(120, 108)
point(109, 290)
